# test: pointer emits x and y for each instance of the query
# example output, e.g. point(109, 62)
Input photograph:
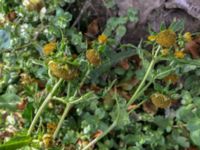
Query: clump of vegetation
point(63, 89)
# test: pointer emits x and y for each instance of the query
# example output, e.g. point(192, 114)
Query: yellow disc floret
point(49, 48)
point(64, 71)
point(166, 38)
point(47, 140)
point(33, 5)
point(160, 100)
point(179, 54)
point(165, 52)
point(151, 38)
point(102, 38)
point(93, 57)
point(187, 36)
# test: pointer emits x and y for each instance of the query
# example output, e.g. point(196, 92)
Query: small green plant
point(60, 89)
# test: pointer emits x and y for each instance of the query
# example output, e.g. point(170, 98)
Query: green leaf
point(120, 112)
point(113, 23)
point(4, 40)
point(76, 39)
point(132, 15)
point(9, 101)
point(187, 98)
point(183, 141)
point(116, 57)
point(110, 3)
point(195, 136)
point(120, 31)
point(119, 71)
point(177, 25)
point(194, 124)
point(16, 142)
point(62, 18)
point(185, 113)
point(162, 122)
point(192, 84)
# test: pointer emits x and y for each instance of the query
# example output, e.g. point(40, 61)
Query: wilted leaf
point(92, 29)
point(149, 107)
point(193, 47)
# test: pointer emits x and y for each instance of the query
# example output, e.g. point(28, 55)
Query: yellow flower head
point(165, 52)
point(63, 71)
point(33, 5)
point(166, 38)
point(102, 38)
point(93, 57)
point(160, 100)
point(49, 48)
point(151, 38)
point(47, 140)
point(187, 36)
point(179, 54)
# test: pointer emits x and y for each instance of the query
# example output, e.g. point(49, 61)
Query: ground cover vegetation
point(67, 83)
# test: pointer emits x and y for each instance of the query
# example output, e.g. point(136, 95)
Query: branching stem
point(42, 107)
point(151, 65)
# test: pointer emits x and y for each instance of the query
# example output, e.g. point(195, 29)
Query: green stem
point(59, 99)
point(101, 136)
point(134, 97)
point(66, 111)
point(24, 46)
point(70, 104)
point(111, 127)
point(42, 107)
point(80, 100)
point(83, 80)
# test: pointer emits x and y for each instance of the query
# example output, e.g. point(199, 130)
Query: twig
point(85, 7)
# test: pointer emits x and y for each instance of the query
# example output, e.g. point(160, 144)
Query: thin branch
point(85, 7)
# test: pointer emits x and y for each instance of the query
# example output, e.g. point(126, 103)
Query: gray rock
point(153, 12)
